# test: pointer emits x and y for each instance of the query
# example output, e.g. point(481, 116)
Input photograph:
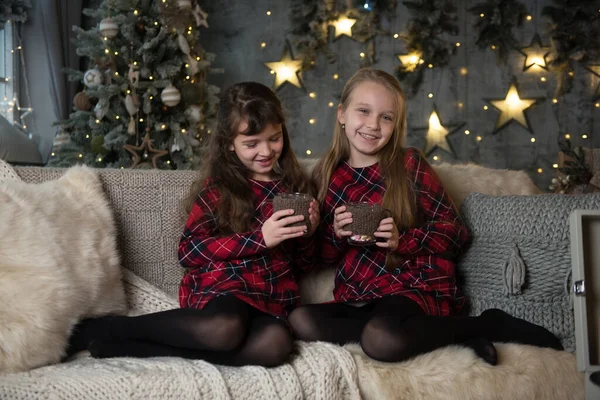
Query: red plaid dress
point(240, 264)
point(425, 274)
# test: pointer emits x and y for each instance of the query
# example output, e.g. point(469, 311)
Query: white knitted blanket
point(317, 371)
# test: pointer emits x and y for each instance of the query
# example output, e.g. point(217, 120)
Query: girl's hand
point(314, 216)
point(387, 230)
point(275, 229)
point(341, 218)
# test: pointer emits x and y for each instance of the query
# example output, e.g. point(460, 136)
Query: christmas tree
point(145, 100)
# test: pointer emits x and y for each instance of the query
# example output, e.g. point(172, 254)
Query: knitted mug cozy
point(365, 221)
point(299, 202)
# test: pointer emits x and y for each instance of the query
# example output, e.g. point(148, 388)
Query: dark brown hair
point(258, 106)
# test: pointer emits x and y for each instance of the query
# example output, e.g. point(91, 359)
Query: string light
point(529, 18)
point(479, 138)
point(435, 158)
point(312, 95)
point(396, 36)
point(335, 76)
point(555, 101)
point(330, 104)
point(584, 136)
point(457, 44)
point(540, 170)
point(308, 152)
point(362, 55)
point(467, 132)
point(268, 12)
point(567, 136)
point(485, 108)
point(311, 121)
point(263, 45)
point(554, 166)
point(532, 140)
point(430, 95)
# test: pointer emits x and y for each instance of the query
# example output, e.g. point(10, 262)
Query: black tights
point(226, 331)
point(395, 328)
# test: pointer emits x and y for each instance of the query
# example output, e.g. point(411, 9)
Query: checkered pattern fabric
point(240, 264)
point(426, 273)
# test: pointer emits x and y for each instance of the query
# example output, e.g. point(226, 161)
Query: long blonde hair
point(399, 196)
point(258, 106)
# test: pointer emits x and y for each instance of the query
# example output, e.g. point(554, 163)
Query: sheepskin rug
point(460, 180)
point(58, 264)
point(456, 373)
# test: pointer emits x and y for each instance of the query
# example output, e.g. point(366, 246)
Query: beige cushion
point(58, 263)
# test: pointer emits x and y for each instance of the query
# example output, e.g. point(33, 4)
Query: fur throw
point(460, 180)
point(58, 264)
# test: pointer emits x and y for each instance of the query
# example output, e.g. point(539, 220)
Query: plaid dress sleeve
point(199, 244)
point(444, 230)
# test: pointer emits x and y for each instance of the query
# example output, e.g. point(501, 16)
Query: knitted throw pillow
point(58, 264)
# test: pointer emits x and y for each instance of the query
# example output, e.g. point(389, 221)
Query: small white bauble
point(185, 4)
point(92, 78)
point(108, 28)
point(170, 96)
point(193, 113)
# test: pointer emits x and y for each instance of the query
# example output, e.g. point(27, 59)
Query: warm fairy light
point(263, 45)
point(554, 166)
point(467, 132)
point(335, 76)
point(150, 77)
point(529, 18)
point(597, 105)
point(198, 58)
point(330, 104)
point(80, 155)
point(493, 47)
point(571, 73)
point(97, 121)
point(460, 105)
point(485, 108)
point(343, 26)
point(430, 65)
point(555, 101)
point(362, 55)
point(567, 136)
point(106, 51)
point(187, 77)
point(128, 91)
point(312, 95)
point(540, 170)
point(116, 53)
point(53, 154)
point(584, 136)
point(99, 159)
point(272, 72)
point(396, 36)
point(532, 140)
point(430, 95)
point(141, 119)
point(268, 12)
point(435, 158)
point(543, 79)
point(87, 136)
point(463, 71)
point(311, 121)
point(117, 117)
point(482, 15)
point(457, 44)
point(308, 152)
point(479, 138)
point(135, 12)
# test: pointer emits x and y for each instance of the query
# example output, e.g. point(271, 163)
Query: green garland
point(574, 29)
point(496, 25)
point(13, 9)
point(575, 169)
point(432, 19)
point(310, 20)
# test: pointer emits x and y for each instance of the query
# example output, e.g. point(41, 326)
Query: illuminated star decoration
point(201, 16)
point(286, 70)
point(145, 153)
point(512, 108)
point(595, 69)
point(437, 135)
point(343, 26)
point(535, 54)
point(409, 61)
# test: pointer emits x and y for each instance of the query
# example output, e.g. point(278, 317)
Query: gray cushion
point(15, 145)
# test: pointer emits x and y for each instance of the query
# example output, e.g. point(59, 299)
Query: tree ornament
point(185, 4)
point(170, 96)
point(101, 108)
point(140, 27)
point(286, 70)
point(92, 78)
point(132, 109)
point(194, 113)
point(108, 28)
point(145, 153)
point(133, 75)
point(81, 101)
point(185, 49)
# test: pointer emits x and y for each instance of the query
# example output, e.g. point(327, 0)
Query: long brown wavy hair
point(258, 106)
point(399, 197)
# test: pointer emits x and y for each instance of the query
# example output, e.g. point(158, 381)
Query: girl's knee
point(381, 343)
point(227, 332)
point(304, 324)
point(276, 346)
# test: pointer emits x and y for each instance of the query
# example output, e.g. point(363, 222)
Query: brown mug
point(365, 221)
point(299, 202)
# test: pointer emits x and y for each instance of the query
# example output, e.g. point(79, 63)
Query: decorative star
point(512, 108)
point(286, 70)
point(343, 26)
point(535, 54)
point(409, 61)
point(145, 153)
point(437, 135)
